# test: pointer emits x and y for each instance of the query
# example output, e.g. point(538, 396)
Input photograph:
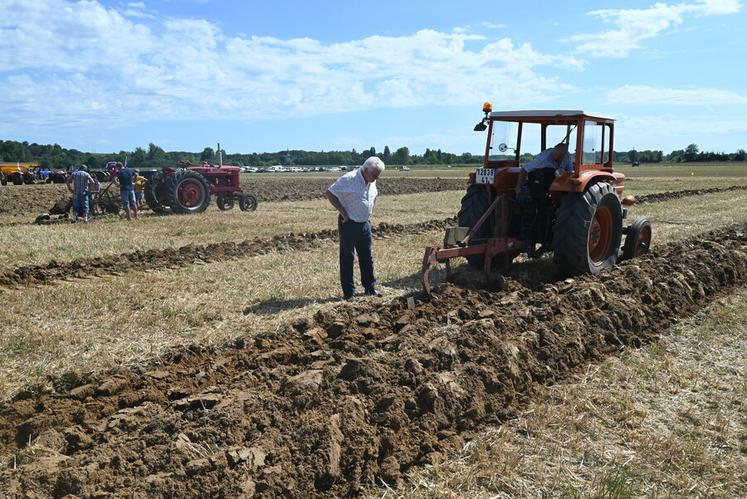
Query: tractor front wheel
point(637, 239)
point(224, 203)
point(588, 230)
point(150, 193)
point(188, 192)
point(474, 203)
point(247, 202)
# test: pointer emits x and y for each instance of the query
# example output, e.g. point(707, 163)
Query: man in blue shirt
point(125, 178)
point(78, 184)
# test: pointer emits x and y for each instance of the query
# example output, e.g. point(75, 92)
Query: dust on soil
point(354, 395)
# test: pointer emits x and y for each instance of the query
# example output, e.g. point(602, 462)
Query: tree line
point(57, 157)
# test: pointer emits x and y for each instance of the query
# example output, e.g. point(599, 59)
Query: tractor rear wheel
point(474, 204)
point(588, 230)
point(224, 203)
point(188, 192)
point(150, 193)
point(247, 202)
point(17, 179)
point(637, 239)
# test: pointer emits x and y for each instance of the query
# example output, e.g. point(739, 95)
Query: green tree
point(691, 152)
point(155, 153)
point(138, 157)
point(402, 155)
point(387, 153)
point(207, 154)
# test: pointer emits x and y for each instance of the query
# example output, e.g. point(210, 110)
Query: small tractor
point(187, 188)
point(580, 218)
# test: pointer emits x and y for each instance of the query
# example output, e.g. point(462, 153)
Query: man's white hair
point(373, 164)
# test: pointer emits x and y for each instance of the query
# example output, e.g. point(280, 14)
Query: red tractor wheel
point(588, 230)
point(188, 192)
point(224, 203)
point(637, 239)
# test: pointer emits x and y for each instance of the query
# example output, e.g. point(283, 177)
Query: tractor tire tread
point(173, 184)
point(571, 229)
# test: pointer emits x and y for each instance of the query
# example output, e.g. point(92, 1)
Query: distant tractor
point(579, 217)
point(187, 188)
point(17, 173)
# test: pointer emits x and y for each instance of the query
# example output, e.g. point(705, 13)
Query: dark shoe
point(348, 297)
point(373, 292)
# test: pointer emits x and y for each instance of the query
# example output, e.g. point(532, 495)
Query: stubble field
point(209, 354)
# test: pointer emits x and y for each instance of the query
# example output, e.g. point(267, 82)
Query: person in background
point(126, 180)
point(93, 194)
point(353, 196)
point(78, 184)
point(139, 184)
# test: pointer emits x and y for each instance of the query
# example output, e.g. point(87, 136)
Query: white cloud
point(92, 63)
point(643, 94)
point(490, 25)
point(671, 131)
point(633, 26)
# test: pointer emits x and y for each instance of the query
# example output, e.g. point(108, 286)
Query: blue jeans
point(128, 197)
point(80, 204)
point(355, 237)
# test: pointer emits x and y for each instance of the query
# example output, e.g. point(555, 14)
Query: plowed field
point(359, 393)
point(34, 199)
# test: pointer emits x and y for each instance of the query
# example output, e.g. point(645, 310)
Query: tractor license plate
point(485, 176)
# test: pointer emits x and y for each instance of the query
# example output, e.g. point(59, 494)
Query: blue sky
point(266, 76)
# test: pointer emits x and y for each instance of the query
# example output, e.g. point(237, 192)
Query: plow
point(577, 214)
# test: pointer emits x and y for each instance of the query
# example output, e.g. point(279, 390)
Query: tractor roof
point(547, 114)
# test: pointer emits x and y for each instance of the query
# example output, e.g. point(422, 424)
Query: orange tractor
point(579, 217)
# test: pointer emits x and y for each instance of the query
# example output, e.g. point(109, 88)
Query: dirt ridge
point(155, 259)
point(658, 197)
point(357, 394)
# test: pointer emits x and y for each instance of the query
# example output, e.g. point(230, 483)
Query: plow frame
point(492, 247)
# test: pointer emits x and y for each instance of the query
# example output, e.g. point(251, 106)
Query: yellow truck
point(18, 173)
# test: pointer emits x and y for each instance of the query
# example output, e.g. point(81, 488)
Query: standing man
point(78, 184)
point(126, 178)
point(353, 196)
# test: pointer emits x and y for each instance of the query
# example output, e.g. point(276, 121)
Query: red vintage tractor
point(187, 188)
point(579, 217)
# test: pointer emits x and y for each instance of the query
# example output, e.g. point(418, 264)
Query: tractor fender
point(587, 178)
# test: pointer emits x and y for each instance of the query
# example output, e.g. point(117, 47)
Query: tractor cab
point(514, 137)
point(547, 179)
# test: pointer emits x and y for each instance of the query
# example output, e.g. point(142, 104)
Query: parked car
point(276, 168)
point(404, 168)
point(249, 169)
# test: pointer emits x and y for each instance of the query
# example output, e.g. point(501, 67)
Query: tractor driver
point(540, 173)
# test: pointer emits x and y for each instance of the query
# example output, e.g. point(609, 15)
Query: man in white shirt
point(353, 196)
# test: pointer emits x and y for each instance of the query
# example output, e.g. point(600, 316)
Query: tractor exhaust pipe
point(220, 156)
